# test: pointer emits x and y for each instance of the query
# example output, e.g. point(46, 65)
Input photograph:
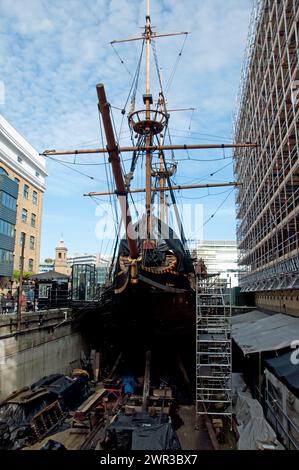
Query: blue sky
point(53, 53)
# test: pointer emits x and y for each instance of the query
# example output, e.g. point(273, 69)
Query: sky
point(52, 55)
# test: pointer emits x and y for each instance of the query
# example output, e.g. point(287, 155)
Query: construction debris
point(33, 412)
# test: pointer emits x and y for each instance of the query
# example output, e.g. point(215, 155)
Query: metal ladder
point(213, 347)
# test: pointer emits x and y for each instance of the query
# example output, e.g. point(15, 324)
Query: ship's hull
point(146, 319)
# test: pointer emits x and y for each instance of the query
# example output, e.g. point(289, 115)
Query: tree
point(16, 275)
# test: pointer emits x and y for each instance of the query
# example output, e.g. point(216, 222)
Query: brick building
point(21, 163)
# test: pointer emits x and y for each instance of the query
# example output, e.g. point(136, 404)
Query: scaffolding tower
point(213, 347)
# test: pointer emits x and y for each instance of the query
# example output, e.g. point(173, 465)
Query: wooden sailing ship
point(154, 273)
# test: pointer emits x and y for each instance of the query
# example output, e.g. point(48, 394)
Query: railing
point(271, 405)
point(269, 275)
point(93, 294)
point(8, 306)
point(54, 300)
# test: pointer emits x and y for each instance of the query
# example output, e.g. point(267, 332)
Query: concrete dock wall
point(44, 345)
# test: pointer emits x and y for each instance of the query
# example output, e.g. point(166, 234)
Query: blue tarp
point(286, 371)
point(129, 383)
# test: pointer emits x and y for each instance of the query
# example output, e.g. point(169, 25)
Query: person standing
point(23, 302)
point(2, 303)
point(30, 299)
point(9, 302)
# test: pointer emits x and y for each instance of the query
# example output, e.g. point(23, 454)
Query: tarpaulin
point(286, 371)
point(142, 432)
point(265, 333)
point(255, 432)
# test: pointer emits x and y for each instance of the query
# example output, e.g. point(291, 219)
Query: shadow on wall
point(29, 357)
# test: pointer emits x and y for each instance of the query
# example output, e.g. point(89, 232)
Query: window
point(6, 256)
point(26, 191)
point(17, 181)
point(34, 197)
point(22, 238)
point(7, 229)
point(44, 291)
point(2, 171)
point(32, 241)
point(8, 201)
point(59, 255)
point(20, 159)
point(37, 173)
point(33, 220)
point(24, 215)
point(30, 265)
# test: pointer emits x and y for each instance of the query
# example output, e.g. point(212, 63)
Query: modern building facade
point(8, 214)
point(101, 274)
point(45, 267)
point(268, 198)
point(101, 263)
point(20, 162)
point(220, 256)
point(82, 259)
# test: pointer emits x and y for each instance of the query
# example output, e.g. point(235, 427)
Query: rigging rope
point(74, 169)
point(207, 195)
point(182, 233)
point(169, 82)
point(218, 208)
point(201, 133)
point(122, 160)
point(204, 160)
point(121, 60)
point(166, 130)
point(137, 73)
point(83, 164)
point(134, 85)
point(191, 118)
point(109, 179)
point(157, 67)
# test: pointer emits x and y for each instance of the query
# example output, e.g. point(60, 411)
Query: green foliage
point(16, 275)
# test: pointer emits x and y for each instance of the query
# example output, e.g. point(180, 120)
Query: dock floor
point(189, 437)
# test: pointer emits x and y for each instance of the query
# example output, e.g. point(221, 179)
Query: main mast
point(149, 137)
point(146, 123)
